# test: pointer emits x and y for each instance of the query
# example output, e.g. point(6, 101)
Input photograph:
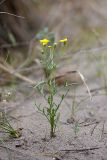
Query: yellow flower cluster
point(44, 41)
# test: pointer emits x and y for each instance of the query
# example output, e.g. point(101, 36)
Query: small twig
point(87, 124)
point(83, 79)
point(94, 128)
point(11, 14)
point(81, 150)
point(103, 129)
point(11, 71)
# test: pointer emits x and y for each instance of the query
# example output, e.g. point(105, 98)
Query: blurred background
point(83, 22)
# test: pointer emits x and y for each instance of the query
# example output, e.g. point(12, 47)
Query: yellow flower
point(63, 40)
point(44, 41)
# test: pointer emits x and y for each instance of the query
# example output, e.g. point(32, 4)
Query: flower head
point(64, 40)
point(44, 41)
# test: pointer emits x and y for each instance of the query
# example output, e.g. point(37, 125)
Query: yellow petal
point(63, 40)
